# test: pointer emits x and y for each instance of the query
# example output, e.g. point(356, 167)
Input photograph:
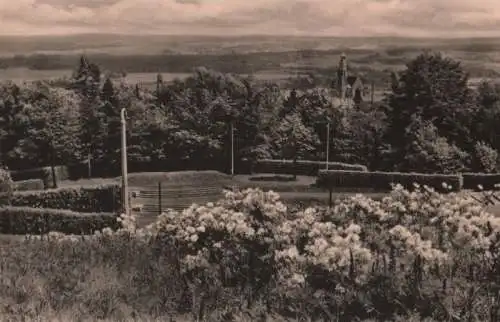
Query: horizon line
point(239, 36)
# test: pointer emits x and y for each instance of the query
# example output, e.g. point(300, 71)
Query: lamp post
point(125, 203)
point(232, 148)
point(327, 143)
point(327, 122)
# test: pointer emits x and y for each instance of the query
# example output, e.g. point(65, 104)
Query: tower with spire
point(349, 88)
point(342, 77)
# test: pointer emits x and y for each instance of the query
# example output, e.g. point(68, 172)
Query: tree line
point(430, 121)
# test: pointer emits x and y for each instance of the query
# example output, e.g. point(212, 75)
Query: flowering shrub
point(361, 255)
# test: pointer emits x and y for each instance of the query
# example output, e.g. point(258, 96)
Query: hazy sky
point(230, 17)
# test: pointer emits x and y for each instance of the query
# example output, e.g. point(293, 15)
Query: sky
point(409, 18)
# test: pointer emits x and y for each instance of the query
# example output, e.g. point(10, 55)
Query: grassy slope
point(101, 283)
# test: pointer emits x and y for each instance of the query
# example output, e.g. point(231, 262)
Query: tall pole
point(89, 165)
point(327, 144)
point(125, 200)
point(232, 148)
point(372, 93)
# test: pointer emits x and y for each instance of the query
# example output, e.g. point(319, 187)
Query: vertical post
point(232, 148)
point(372, 93)
point(327, 144)
point(159, 198)
point(89, 165)
point(53, 163)
point(125, 199)
point(349, 102)
point(330, 199)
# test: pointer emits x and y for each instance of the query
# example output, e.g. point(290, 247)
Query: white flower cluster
point(345, 240)
point(412, 245)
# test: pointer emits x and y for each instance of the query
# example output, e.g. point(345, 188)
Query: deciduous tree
point(435, 89)
point(293, 140)
point(51, 128)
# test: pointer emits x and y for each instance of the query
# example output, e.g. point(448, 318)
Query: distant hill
point(371, 58)
point(159, 44)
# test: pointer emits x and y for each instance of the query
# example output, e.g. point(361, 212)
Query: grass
point(88, 283)
point(148, 179)
point(190, 179)
point(102, 282)
point(86, 182)
point(179, 178)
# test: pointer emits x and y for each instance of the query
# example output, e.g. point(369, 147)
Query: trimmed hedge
point(273, 178)
point(382, 180)
point(45, 174)
point(91, 199)
point(302, 167)
point(36, 221)
point(28, 185)
point(486, 180)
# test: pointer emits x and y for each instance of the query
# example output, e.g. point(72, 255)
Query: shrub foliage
point(383, 181)
point(302, 167)
point(29, 185)
point(92, 199)
point(44, 174)
point(25, 220)
point(481, 181)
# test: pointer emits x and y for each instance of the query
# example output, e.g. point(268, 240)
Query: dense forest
point(430, 121)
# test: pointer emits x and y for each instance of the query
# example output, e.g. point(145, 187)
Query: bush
point(302, 167)
point(429, 152)
point(485, 158)
point(29, 185)
point(96, 199)
point(486, 180)
point(45, 174)
point(382, 180)
point(25, 220)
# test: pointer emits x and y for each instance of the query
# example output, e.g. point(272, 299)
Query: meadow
point(414, 256)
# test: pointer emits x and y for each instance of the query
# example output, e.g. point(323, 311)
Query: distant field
point(154, 45)
point(22, 74)
point(169, 44)
point(269, 58)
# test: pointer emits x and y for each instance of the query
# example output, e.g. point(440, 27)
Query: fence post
point(159, 197)
point(330, 199)
point(117, 202)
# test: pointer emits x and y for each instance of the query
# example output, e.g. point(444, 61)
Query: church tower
point(342, 77)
